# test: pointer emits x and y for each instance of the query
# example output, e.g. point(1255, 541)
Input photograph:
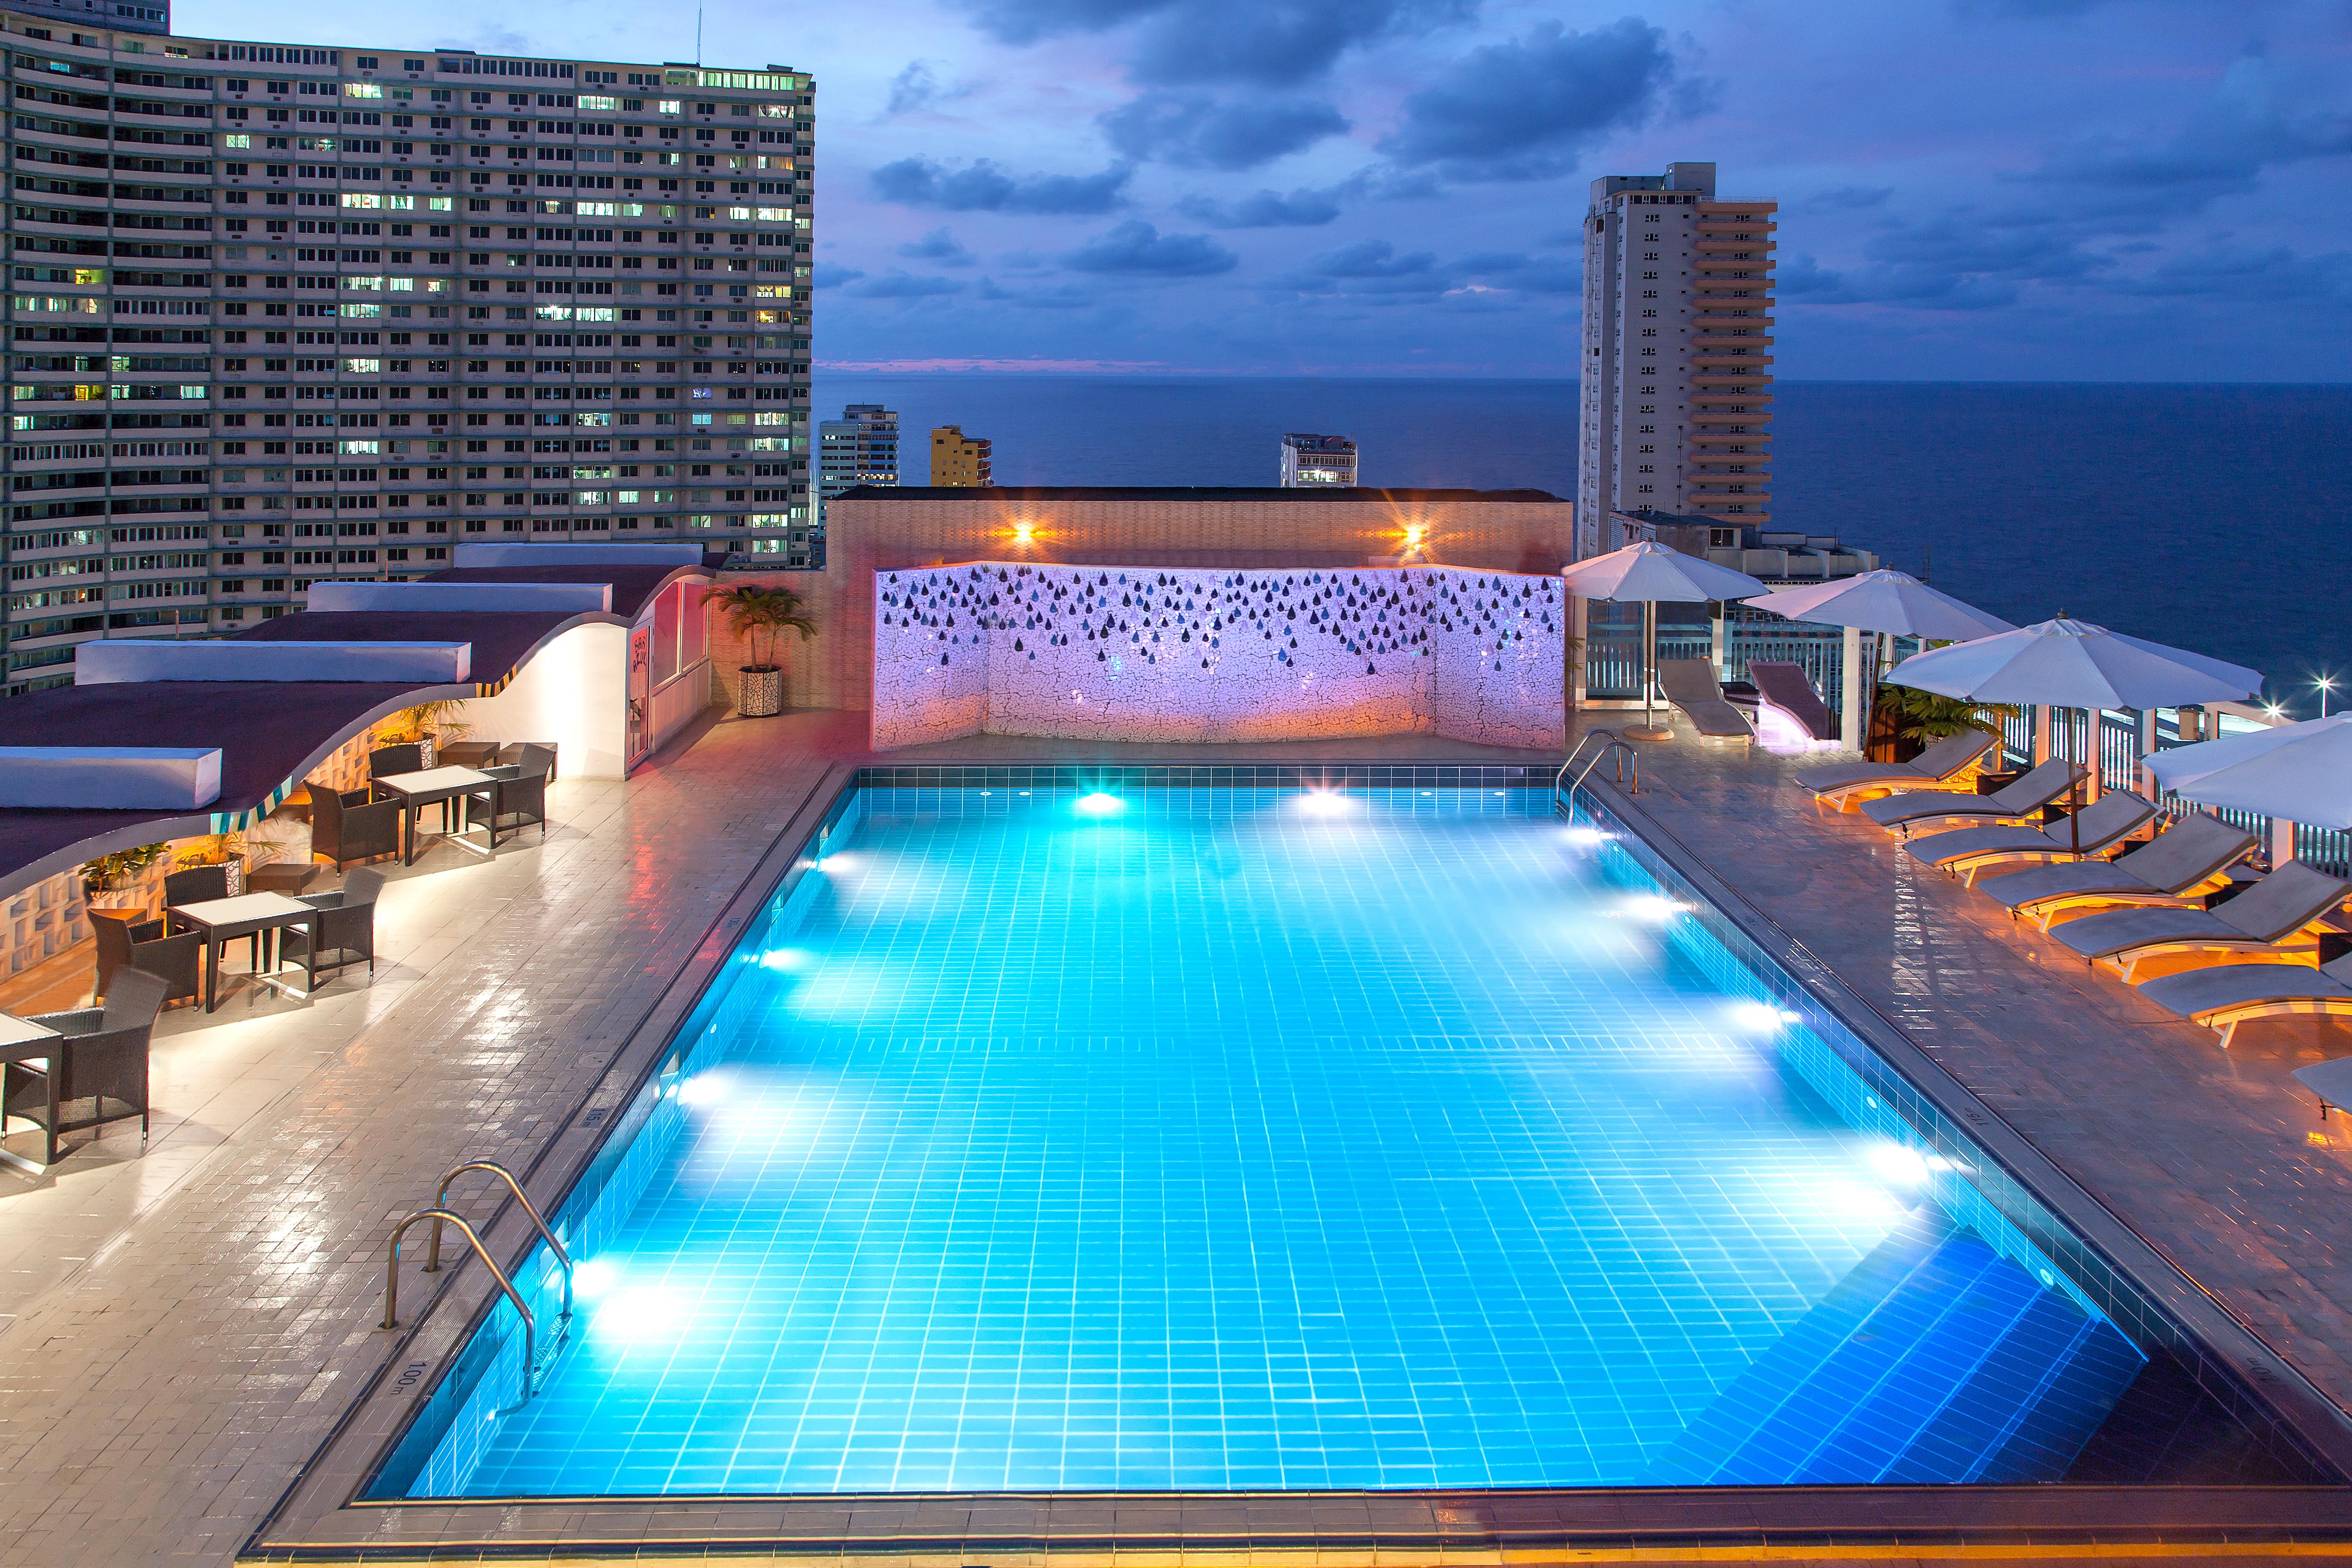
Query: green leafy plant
point(1923, 716)
point(123, 863)
point(760, 614)
point(440, 719)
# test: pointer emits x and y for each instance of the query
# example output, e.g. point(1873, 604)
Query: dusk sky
point(1969, 189)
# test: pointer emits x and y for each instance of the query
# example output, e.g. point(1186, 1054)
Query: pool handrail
point(1615, 745)
point(441, 1198)
point(392, 1284)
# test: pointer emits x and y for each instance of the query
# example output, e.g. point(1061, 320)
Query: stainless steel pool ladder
point(1612, 744)
point(441, 1198)
point(392, 1285)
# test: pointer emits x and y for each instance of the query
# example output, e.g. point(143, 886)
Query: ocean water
point(2208, 517)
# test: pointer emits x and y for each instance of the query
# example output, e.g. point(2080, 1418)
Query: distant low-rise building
point(1318, 460)
point(960, 462)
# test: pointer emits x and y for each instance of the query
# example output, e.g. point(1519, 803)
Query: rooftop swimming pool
point(1251, 1139)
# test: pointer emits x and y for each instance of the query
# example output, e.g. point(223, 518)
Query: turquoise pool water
point(1208, 1139)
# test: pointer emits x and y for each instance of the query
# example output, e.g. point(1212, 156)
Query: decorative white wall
point(1145, 653)
point(572, 692)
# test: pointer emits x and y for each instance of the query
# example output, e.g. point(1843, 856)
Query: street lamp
point(2327, 684)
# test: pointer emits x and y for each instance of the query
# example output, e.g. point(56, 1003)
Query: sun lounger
point(2331, 1081)
point(2105, 822)
point(1941, 766)
point(1783, 685)
point(2165, 871)
point(2019, 802)
point(2232, 994)
point(1690, 684)
point(2262, 917)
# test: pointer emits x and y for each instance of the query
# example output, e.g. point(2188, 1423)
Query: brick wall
point(1274, 530)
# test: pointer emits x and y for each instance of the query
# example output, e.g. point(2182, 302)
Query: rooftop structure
point(960, 461)
point(1308, 461)
point(514, 299)
point(1674, 380)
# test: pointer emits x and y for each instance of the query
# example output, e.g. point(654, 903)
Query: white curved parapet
point(409, 663)
point(110, 778)
point(426, 597)
point(468, 555)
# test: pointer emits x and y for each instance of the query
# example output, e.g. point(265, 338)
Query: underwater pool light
point(592, 1277)
point(1325, 802)
point(1100, 804)
point(1583, 838)
point(1651, 907)
point(784, 960)
point(1897, 1164)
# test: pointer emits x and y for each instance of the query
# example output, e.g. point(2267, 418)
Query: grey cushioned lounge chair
point(2102, 825)
point(1783, 685)
point(2331, 1081)
point(1938, 767)
point(2019, 802)
point(2265, 915)
point(2164, 871)
point(2232, 994)
point(1690, 684)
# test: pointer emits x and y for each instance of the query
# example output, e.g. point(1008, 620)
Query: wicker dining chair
point(101, 1059)
point(344, 932)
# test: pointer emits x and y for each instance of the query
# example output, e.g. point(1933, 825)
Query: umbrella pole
point(1650, 729)
point(2075, 812)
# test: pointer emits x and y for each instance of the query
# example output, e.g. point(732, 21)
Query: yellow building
point(959, 461)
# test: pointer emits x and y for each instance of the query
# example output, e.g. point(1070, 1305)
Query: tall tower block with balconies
point(1675, 394)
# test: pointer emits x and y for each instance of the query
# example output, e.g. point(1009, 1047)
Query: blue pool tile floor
point(1206, 1140)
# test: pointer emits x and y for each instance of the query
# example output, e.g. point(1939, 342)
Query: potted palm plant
point(759, 612)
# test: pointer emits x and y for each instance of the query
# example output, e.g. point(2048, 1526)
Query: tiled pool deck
point(158, 1399)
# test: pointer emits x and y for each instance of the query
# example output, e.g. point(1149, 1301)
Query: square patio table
point(16, 1032)
point(248, 914)
point(418, 790)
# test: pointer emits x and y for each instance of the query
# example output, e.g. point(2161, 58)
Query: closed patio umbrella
point(1892, 602)
point(2301, 772)
point(2066, 663)
point(1647, 572)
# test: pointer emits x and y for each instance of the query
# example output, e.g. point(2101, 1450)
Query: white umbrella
point(1645, 573)
point(2302, 773)
point(1893, 602)
point(2073, 664)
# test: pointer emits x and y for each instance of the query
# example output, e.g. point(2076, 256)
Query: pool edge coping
point(325, 1489)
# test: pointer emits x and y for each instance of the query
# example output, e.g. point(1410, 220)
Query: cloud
point(1060, 296)
point(984, 186)
point(938, 245)
point(913, 89)
point(2245, 273)
point(896, 284)
point(1194, 131)
point(1849, 198)
point(1524, 108)
point(832, 275)
point(1265, 209)
point(2246, 125)
point(1270, 43)
point(1371, 259)
point(1136, 246)
point(1522, 274)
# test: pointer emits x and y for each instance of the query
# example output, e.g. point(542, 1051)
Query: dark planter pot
point(760, 694)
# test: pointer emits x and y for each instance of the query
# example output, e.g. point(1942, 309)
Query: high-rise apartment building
point(278, 313)
point(959, 461)
point(1676, 373)
point(1318, 460)
point(861, 448)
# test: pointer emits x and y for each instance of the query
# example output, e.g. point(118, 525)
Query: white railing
point(676, 701)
